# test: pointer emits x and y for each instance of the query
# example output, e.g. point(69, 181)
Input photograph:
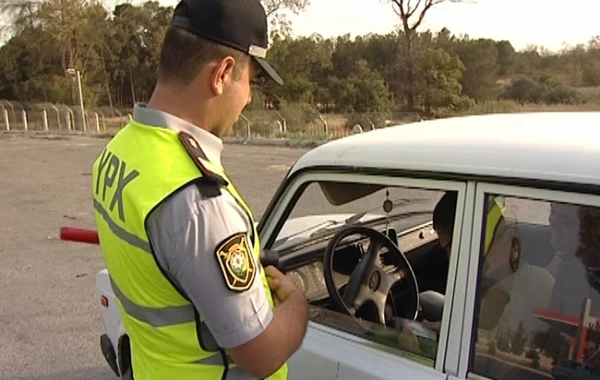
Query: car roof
point(547, 146)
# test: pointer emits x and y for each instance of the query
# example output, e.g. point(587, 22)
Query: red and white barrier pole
point(79, 235)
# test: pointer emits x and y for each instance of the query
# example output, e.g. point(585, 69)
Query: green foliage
point(507, 57)
point(480, 58)
point(542, 89)
point(443, 73)
point(117, 51)
point(591, 74)
point(364, 90)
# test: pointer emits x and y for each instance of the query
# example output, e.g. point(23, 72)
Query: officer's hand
point(281, 286)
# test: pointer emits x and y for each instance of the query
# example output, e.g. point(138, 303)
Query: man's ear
point(222, 74)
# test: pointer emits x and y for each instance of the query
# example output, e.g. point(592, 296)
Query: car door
point(530, 310)
point(334, 348)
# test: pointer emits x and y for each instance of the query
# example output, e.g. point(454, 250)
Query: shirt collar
point(210, 144)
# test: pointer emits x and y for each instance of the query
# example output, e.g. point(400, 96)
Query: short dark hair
point(184, 54)
point(444, 211)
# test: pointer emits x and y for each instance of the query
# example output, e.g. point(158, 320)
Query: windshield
point(325, 207)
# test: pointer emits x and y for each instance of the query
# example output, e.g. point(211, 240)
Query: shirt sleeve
point(186, 232)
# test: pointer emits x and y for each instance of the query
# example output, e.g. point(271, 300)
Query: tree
point(506, 57)
point(364, 90)
point(543, 89)
point(274, 10)
point(303, 63)
point(412, 16)
point(480, 58)
point(116, 50)
point(442, 73)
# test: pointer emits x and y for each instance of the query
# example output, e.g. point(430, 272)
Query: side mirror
point(432, 304)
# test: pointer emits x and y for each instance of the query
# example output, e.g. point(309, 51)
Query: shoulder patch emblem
point(195, 152)
point(237, 262)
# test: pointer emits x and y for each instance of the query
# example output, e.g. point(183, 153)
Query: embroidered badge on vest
point(237, 262)
point(195, 151)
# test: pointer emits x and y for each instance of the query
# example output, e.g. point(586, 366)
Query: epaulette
point(197, 155)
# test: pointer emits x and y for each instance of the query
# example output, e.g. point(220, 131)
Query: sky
point(543, 22)
point(549, 23)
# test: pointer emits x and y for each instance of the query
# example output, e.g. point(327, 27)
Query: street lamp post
point(77, 74)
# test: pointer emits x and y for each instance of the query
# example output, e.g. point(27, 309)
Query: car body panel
point(553, 146)
point(111, 318)
point(328, 353)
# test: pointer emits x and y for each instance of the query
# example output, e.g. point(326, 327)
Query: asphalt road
point(49, 324)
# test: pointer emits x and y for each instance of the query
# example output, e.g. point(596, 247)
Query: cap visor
point(269, 70)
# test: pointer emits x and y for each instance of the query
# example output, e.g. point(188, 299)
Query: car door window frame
point(292, 188)
point(482, 190)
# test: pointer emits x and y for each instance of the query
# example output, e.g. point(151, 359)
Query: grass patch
point(510, 106)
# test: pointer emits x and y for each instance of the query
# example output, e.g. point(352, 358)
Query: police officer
point(179, 241)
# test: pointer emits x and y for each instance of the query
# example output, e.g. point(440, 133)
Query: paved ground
point(49, 324)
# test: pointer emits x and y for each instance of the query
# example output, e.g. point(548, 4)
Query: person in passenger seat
point(433, 275)
point(501, 245)
point(432, 272)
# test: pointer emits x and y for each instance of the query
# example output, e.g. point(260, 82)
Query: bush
point(544, 89)
point(591, 74)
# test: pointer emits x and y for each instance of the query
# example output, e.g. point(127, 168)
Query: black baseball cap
point(238, 24)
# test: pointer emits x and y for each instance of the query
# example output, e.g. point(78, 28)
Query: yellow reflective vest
point(139, 168)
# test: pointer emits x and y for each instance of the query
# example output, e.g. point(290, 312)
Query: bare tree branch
point(412, 11)
point(428, 5)
point(407, 10)
point(272, 7)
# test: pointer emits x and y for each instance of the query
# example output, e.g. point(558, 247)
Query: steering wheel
point(369, 281)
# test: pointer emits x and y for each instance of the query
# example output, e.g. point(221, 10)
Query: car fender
point(111, 319)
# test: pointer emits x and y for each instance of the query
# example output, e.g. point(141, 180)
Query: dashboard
point(305, 266)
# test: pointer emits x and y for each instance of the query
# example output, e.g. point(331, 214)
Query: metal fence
point(296, 121)
point(59, 117)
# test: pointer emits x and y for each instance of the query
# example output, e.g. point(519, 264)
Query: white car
point(514, 302)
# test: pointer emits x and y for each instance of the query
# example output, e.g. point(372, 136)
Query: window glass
point(538, 302)
point(405, 216)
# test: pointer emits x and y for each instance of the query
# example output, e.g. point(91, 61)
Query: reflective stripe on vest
point(139, 168)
